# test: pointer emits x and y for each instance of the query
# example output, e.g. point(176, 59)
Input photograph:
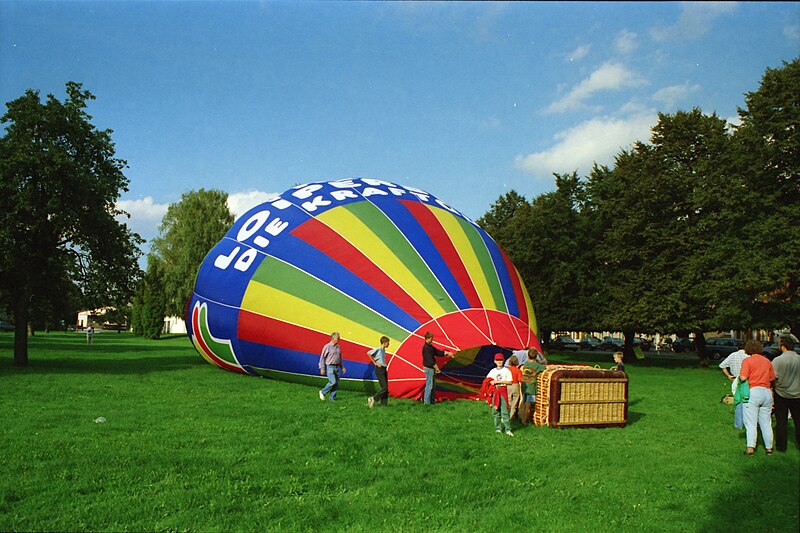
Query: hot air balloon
point(366, 258)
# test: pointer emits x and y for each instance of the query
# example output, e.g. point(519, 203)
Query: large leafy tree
point(188, 231)
point(59, 183)
point(767, 156)
point(659, 211)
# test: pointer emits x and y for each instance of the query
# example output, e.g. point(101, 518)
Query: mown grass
point(189, 447)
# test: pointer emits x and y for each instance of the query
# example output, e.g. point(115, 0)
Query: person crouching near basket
point(500, 378)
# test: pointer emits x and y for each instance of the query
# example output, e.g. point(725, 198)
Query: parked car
point(565, 342)
point(645, 344)
point(720, 347)
point(683, 344)
point(613, 344)
point(6, 326)
point(589, 343)
point(771, 351)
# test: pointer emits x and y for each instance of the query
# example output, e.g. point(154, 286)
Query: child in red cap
point(500, 378)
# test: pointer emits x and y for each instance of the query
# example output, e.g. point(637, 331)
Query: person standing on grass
point(89, 334)
point(787, 393)
point(757, 371)
point(731, 366)
point(514, 393)
point(330, 364)
point(377, 357)
point(500, 378)
point(530, 370)
point(430, 368)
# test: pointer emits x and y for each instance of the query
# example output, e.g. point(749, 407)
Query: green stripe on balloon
point(287, 278)
point(220, 348)
point(380, 224)
point(485, 260)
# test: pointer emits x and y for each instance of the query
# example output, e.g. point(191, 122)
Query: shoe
point(750, 451)
point(371, 402)
point(509, 433)
point(769, 451)
point(321, 396)
point(497, 431)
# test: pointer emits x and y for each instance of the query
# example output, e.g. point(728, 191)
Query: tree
point(187, 233)
point(767, 152)
point(150, 302)
point(59, 185)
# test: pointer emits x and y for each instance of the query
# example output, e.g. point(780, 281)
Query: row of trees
point(698, 230)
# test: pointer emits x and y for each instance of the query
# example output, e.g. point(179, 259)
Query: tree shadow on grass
point(766, 497)
point(96, 365)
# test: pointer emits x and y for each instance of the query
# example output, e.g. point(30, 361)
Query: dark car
point(565, 342)
point(589, 343)
point(683, 344)
point(645, 344)
point(6, 326)
point(771, 351)
point(613, 344)
point(720, 347)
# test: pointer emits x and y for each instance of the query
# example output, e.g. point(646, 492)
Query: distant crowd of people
point(762, 388)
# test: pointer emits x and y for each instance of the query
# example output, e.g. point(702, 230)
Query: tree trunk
point(627, 350)
point(700, 344)
point(21, 330)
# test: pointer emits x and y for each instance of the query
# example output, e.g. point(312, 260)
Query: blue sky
point(464, 100)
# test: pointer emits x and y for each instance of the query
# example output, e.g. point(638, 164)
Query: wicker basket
point(581, 396)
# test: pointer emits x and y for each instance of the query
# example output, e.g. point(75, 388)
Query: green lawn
point(189, 447)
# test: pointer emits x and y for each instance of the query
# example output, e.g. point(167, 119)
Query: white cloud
point(145, 215)
point(670, 96)
point(626, 42)
point(792, 32)
point(241, 202)
point(579, 53)
point(694, 21)
point(595, 141)
point(609, 77)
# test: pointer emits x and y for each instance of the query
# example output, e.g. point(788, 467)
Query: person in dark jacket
point(430, 367)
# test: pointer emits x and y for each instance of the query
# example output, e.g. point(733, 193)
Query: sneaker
point(321, 396)
point(509, 433)
point(497, 431)
point(371, 401)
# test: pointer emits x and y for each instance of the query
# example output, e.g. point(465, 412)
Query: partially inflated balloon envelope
point(365, 258)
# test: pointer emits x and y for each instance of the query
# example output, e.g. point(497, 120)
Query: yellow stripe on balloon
point(349, 226)
point(467, 253)
point(528, 303)
point(274, 303)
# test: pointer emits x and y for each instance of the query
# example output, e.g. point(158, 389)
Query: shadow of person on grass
point(97, 365)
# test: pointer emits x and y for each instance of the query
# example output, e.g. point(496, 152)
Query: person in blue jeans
point(377, 356)
point(330, 364)
point(430, 368)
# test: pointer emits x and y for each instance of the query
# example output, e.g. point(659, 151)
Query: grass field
point(189, 447)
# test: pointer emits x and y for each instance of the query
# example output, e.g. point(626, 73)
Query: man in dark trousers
point(787, 393)
point(429, 366)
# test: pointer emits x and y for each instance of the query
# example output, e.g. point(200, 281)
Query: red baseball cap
point(499, 356)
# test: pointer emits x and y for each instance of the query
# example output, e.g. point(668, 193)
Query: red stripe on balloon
point(329, 242)
point(273, 332)
point(447, 250)
point(518, 294)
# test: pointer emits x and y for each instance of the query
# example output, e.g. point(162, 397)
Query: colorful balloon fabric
point(365, 258)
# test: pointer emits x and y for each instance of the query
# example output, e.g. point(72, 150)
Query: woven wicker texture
point(574, 395)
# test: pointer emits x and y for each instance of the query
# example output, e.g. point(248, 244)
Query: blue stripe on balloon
point(422, 243)
point(503, 275)
point(297, 362)
point(305, 257)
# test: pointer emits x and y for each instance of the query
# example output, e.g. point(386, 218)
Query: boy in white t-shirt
point(500, 377)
